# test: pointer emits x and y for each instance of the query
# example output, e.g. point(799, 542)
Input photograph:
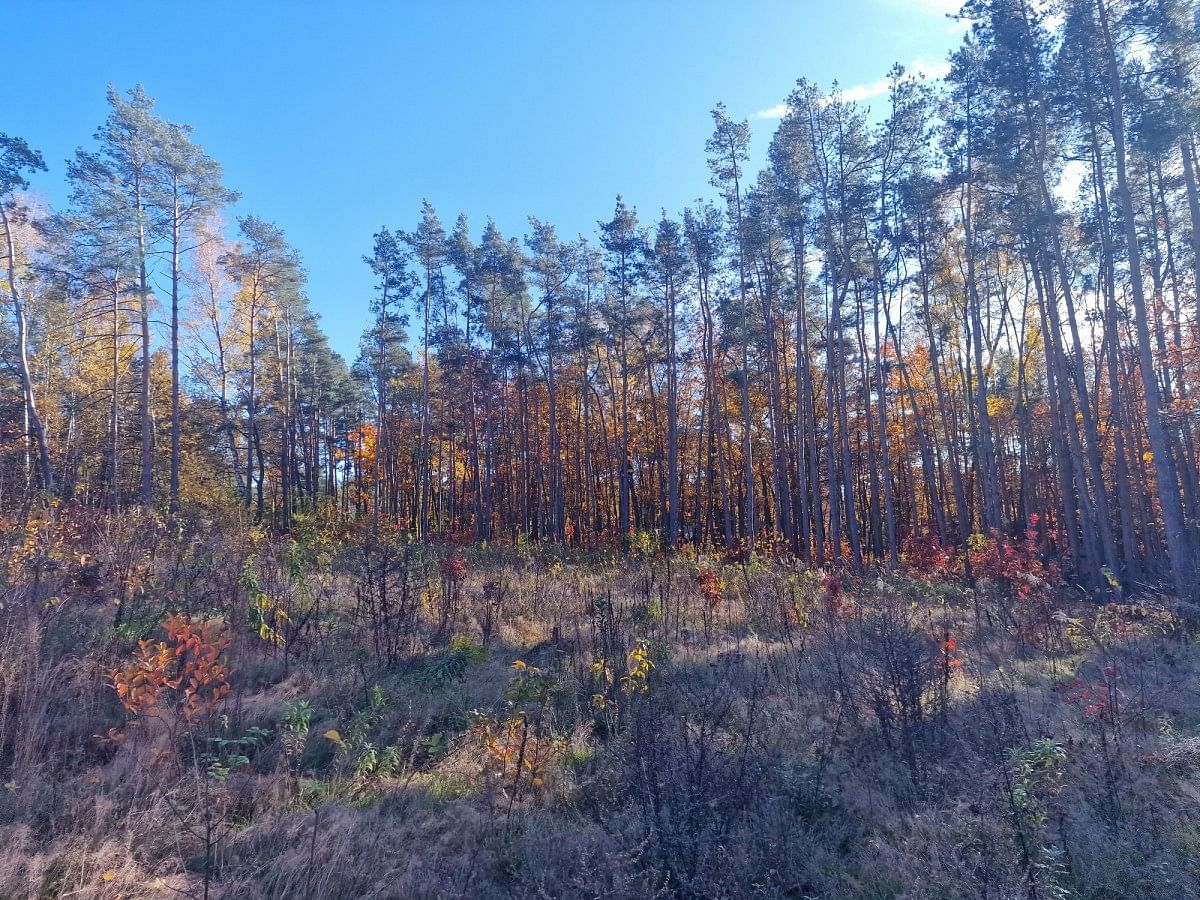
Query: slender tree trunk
point(672, 425)
point(557, 506)
point(423, 456)
point(251, 395)
point(147, 495)
point(881, 386)
point(747, 442)
point(174, 488)
point(35, 427)
point(114, 407)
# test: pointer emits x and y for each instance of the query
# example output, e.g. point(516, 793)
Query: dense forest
point(838, 535)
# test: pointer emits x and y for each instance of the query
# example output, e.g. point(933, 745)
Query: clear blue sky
point(333, 119)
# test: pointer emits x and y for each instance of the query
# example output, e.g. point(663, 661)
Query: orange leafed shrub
point(950, 655)
point(184, 671)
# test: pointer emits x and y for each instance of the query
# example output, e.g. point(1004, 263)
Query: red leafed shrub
point(708, 583)
point(926, 558)
point(1014, 566)
point(1095, 701)
point(454, 567)
point(184, 672)
point(831, 588)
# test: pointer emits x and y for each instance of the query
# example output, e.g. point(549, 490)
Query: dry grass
point(783, 743)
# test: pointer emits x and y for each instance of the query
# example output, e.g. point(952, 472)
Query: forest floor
point(213, 711)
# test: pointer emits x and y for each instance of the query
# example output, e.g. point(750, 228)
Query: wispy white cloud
point(928, 7)
point(929, 68)
point(857, 93)
point(931, 7)
point(778, 111)
point(926, 12)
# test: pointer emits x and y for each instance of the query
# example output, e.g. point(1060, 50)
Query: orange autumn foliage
point(184, 671)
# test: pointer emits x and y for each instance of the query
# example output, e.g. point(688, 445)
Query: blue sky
point(335, 119)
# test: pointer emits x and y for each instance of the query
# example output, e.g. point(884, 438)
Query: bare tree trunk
point(174, 489)
point(557, 506)
point(35, 427)
point(114, 406)
point(251, 396)
point(672, 425)
point(423, 461)
point(147, 495)
point(889, 501)
point(747, 443)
